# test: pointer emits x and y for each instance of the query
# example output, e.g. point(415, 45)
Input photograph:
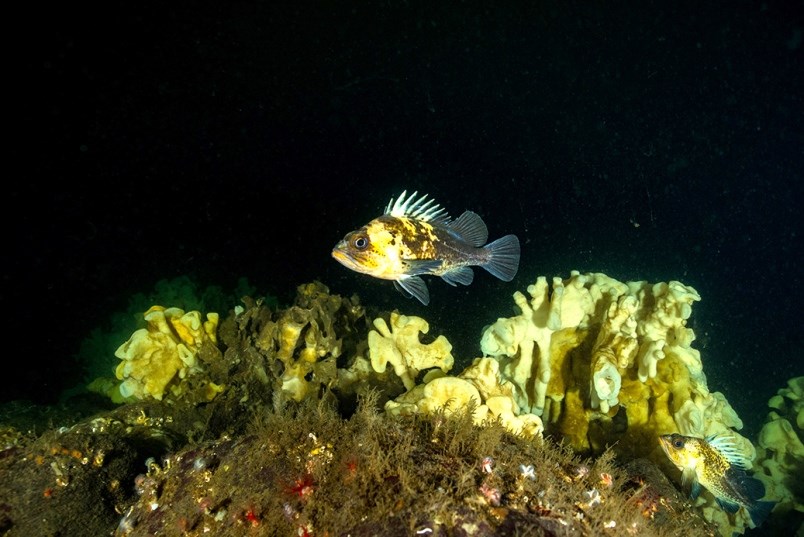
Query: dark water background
point(647, 140)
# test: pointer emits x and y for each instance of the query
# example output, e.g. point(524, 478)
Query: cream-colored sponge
point(400, 346)
point(162, 351)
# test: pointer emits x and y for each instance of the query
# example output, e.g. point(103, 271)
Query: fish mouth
point(351, 262)
point(665, 441)
point(343, 258)
point(338, 254)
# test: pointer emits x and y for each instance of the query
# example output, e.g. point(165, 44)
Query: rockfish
point(716, 464)
point(416, 237)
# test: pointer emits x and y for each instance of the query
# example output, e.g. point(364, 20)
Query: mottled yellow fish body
point(415, 237)
point(716, 464)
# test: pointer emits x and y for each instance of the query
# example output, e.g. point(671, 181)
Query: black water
point(647, 140)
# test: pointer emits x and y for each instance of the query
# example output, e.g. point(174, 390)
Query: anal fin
point(726, 505)
point(459, 275)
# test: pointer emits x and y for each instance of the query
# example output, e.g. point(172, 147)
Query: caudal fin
point(753, 489)
point(759, 511)
point(504, 257)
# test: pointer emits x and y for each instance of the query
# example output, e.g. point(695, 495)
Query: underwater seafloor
point(233, 448)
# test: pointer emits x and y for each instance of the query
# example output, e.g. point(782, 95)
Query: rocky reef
point(323, 419)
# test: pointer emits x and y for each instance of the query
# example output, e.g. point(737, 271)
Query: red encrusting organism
point(302, 486)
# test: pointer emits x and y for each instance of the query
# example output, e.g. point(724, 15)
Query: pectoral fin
point(413, 286)
point(690, 478)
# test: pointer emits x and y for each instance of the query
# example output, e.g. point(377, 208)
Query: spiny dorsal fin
point(727, 446)
point(420, 208)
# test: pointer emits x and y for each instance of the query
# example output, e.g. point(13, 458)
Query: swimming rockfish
point(716, 464)
point(415, 237)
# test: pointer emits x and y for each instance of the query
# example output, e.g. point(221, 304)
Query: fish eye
point(678, 443)
point(360, 242)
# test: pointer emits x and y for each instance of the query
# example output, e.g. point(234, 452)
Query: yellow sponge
point(165, 348)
